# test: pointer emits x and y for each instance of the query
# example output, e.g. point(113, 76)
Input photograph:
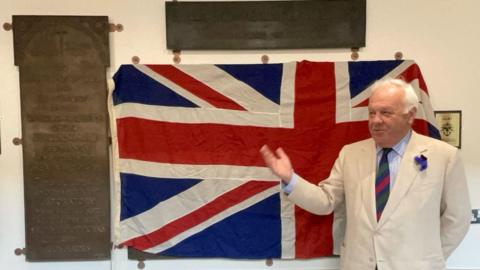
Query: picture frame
point(450, 126)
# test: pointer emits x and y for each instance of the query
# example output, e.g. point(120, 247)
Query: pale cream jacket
point(426, 217)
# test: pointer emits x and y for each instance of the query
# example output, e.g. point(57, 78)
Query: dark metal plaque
point(265, 24)
point(62, 62)
point(135, 254)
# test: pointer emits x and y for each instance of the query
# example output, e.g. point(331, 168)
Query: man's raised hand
point(278, 162)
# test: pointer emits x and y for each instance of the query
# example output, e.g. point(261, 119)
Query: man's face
point(387, 121)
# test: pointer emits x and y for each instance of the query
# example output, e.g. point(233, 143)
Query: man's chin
point(379, 140)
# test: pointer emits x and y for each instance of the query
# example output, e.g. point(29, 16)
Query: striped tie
point(382, 183)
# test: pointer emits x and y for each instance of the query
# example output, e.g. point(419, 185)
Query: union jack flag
point(189, 178)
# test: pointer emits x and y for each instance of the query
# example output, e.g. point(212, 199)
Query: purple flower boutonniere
point(421, 162)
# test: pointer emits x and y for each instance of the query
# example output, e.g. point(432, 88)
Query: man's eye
point(386, 113)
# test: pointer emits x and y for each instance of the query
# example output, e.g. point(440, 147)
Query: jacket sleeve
point(455, 210)
point(321, 199)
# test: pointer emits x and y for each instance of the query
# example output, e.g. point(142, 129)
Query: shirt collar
point(400, 147)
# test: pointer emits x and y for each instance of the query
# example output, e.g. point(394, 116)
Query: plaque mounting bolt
point(141, 264)
point(265, 59)
point(176, 57)
point(17, 141)
point(119, 27)
point(136, 60)
point(20, 251)
point(115, 27)
point(7, 26)
point(398, 56)
point(354, 55)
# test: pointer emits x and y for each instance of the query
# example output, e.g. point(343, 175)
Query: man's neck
point(404, 139)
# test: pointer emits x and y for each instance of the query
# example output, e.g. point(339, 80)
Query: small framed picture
point(450, 127)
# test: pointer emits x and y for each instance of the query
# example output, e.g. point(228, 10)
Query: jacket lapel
point(368, 183)
point(407, 173)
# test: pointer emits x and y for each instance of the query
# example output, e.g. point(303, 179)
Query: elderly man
point(406, 196)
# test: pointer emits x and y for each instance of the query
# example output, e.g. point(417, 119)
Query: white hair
point(410, 99)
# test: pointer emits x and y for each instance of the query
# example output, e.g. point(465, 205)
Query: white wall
point(441, 35)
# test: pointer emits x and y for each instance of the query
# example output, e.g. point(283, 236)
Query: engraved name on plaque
point(62, 62)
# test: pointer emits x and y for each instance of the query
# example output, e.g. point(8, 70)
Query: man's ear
point(411, 115)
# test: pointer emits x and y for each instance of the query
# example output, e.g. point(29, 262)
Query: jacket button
point(370, 259)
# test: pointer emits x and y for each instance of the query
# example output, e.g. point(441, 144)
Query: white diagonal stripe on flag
point(425, 110)
point(183, 203)
point(214, 219)
point(229, 86)
point(394, 73)
point(174, 87)
point(345, 106)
